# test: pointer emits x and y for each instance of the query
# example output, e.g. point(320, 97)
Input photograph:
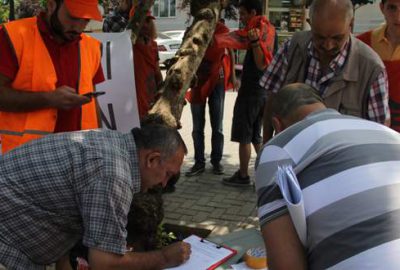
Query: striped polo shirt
point(349, 172)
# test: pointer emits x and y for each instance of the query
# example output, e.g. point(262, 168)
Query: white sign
point(119, 110)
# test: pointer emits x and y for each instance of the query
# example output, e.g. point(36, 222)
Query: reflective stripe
point(15, 133)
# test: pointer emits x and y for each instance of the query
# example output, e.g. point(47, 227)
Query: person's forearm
point(12, 100)
point(268, 129)
point(388, 122)
point(132, 260)
point(258, 56)
point(63, 263)
point(147, 260)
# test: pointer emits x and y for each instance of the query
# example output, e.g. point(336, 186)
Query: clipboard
point(206, 255)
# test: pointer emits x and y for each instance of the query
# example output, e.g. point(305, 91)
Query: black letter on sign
point(107, 67)
point(108, 59)
point(112, 124)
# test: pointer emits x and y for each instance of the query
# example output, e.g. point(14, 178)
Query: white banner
point(119, 110)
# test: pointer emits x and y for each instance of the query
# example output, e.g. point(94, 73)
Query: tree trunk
point(168, 108)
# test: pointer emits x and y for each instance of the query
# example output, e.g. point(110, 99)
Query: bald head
point(292, 103)
point(327, 8)
point(331, 24)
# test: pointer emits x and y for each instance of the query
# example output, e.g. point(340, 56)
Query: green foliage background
point(4, 11)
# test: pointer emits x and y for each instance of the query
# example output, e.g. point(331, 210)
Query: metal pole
point(12, 11)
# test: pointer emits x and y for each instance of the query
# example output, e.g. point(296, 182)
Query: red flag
point(238, 39)
point(227, 65)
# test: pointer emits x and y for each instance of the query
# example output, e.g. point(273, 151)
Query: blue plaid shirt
point(62, 188)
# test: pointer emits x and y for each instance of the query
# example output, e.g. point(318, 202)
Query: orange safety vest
point(36, 73)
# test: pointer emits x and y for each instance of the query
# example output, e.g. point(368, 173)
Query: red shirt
point(145, 62)
point(65, 58)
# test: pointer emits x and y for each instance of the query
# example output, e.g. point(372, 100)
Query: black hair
point(165, 139)
point(250, 5)
point(293, 96)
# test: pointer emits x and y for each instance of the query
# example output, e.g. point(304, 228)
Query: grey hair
point(292, 96)
point(158, 137)
point(345, 5)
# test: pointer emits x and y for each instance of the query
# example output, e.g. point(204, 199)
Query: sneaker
point(197, 169)
point(236, 180)
point(218, 169)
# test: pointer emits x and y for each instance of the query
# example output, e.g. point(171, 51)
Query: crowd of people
point(325, 105)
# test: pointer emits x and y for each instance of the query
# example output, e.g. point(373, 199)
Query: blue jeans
point(216, 109)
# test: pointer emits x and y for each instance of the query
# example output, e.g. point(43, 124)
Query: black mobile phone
point(94, 94)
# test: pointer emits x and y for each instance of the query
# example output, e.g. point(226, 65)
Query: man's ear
point(253, 13)
point(277, 124)
point(352, 23)
point(153, 158)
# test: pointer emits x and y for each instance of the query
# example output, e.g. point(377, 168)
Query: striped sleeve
point(270, 201)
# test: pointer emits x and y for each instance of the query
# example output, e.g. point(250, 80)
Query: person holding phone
point(94, 94)
point(46, 66)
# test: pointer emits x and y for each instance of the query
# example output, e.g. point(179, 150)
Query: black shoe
point(218, 169)
point(197, 169)
point(236, 180)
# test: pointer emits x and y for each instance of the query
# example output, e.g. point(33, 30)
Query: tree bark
point(168, 108)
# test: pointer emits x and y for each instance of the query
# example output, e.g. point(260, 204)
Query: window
point(164, 8)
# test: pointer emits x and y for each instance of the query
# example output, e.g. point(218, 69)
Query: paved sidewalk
point(203, 201)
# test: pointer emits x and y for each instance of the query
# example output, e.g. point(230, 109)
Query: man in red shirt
point(50, 87)
point(385, 41)
point(209, 87)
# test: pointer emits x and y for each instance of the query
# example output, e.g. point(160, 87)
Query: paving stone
point(219, 198)
point(173, 215)
point(232, 210)
point(218, 205)
point(202, 208)
point(200, 217)
point(204, 201)
point(247, 208)
point(233, 203)
point(187, 204)
point(187, 212)
point(231, 217)
point(217, 213)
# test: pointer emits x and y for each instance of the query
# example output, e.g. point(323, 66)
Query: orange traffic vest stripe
point(36, 73)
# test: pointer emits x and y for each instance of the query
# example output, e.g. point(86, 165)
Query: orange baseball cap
point(84, 9)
